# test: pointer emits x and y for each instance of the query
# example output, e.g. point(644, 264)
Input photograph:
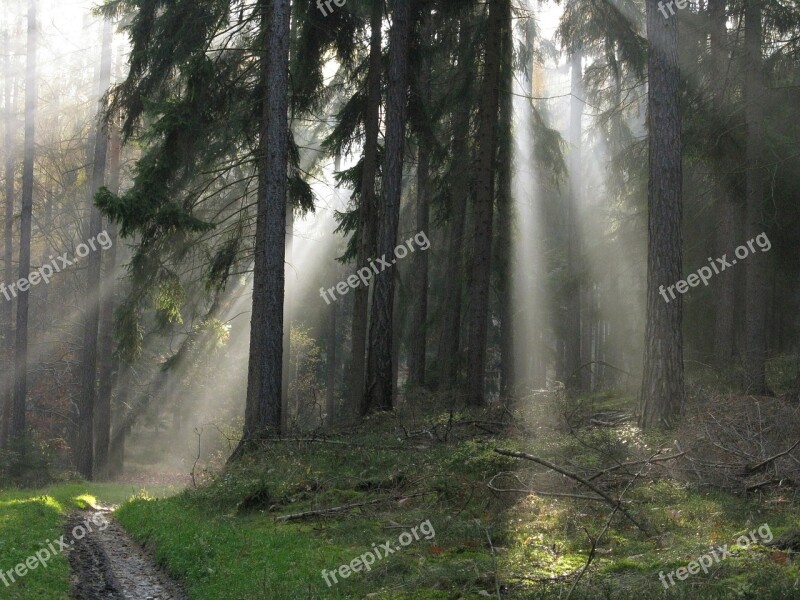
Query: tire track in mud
point(108, 565)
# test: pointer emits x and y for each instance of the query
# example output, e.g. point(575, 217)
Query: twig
point(324, 512)
point(764, 463)
point(635, 462)
point(492, 487)
point(596, 540)
point(494, 558)
point(578, 478)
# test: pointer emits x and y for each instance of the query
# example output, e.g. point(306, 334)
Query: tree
point(419, 315)
point(330, 367)
point(84, 452)
point(26, 214)
point(505, 223)
point(724, 207)
point(367, 210)
point(7, 308)
point(662, 394)
point(572, 341)
point(264, 385)
point(756, 265)
point(450, 339)
point(379, 390)
point(499, 18)
point(108, 363)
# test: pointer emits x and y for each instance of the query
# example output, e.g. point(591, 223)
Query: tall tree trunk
point(419, 311)
point(26, 214)
point(575, 287)
point(109, 363)
point(379, 390)
point(7, 308)
point(663, 393)
point(367, 212)
point(265, 373)
point(47, 251)
point(288, 305)
point(450, 340)
point(756, 266)
point(505, 224)
point(85, 449)
point(330, 367)
point(499, 16)
point(725, 285)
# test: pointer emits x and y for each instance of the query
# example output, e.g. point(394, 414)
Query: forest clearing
point(399, 299)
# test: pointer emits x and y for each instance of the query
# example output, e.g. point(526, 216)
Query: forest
point(399, 299)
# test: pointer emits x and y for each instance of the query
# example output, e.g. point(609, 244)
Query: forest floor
point(301, 518)
point(418, 504)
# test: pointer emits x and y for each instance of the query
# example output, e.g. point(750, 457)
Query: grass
point(31, 519)
point(224, 542)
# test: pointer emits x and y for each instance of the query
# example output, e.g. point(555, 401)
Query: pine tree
point(380, 380)
point(419, 316)
point(7, 308)
point(18, 428)
point(264, 388)
point(662, 394)
point(756, 265)
point(84, 451)
point(499, 17)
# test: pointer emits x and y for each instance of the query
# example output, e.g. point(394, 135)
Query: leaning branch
point(575, 477)
point(764, 463)
point(635, 462)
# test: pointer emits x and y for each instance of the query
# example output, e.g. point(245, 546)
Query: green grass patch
point(31, 519)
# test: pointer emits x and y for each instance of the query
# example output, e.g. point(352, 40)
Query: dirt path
point(108, 565)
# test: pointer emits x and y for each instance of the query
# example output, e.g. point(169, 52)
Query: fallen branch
point(335, 510)
point(596, 540)
point(492, 487)
point(635, 462)
point(763, 484)
point(579, 479)
point(764, 463)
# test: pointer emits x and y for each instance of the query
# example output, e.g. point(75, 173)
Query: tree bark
point(575, 288)
point(109, 364)
point(499, 15)
point(725, 287)
point(450, 340)
point(419, 315)
point(505, 225)
point(663, 394)
point(330, 367)
point(756, 264)
point(379, 394)
point(265, 373)
point(367, 211)
point(26, 214)
point(84, 452)
point(288, 305)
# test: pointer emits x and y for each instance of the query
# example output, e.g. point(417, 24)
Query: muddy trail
point(108, 565)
